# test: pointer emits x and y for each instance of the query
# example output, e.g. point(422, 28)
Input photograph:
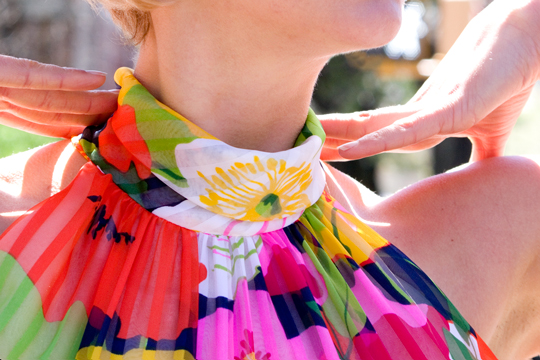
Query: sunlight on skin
point(59, 167)
point(15, 213)
point(374, 223)
point(334, 181)
point(349, 206)
point(13, 189)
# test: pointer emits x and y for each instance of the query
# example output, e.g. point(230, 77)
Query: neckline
point(224, 189)
point(126, 79)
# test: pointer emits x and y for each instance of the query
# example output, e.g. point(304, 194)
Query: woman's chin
point(368, 32)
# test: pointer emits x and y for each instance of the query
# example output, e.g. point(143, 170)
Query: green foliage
point(343, 88)
point(14, 141)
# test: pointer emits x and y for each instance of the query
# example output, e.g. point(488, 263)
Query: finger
point(74, 102)
point(28, 74)
point(354, 126)
point(334, 143)
point(422, 145)
point(400, 134)
point(45, 130)
point(50, 118)
point(328, 154)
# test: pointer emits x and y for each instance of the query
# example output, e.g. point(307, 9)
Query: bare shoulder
point(500, 194)
point(29, 177)
point(496, 194)
point(499, 188)
point(475, 232)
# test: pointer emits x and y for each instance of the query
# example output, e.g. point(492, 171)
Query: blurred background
point(70, 33)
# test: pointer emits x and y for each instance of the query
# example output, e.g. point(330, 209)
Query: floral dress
point(170, 244)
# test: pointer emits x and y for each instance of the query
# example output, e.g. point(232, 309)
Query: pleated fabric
point(171, 244)
point(90, 274)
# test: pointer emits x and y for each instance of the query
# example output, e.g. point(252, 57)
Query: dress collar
point(224, 189)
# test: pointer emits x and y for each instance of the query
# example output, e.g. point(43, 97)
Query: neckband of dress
point(224, 189)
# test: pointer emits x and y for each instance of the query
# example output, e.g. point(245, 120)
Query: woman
point(222, 269)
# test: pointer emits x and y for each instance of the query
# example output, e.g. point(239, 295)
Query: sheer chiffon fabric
point(111, 268)
point(90, 274)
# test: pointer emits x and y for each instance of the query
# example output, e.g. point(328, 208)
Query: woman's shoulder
point(503, 187)
point(491, 203)
point(497, 192)
point(475, 232)
point(30, 177)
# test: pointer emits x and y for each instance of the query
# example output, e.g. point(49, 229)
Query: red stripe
point(99, 184)
point(72, 231)
point(146, 236)
point(189, 289)
point(38, 218)
point(116, 257)
point(167, 251)
point(134, 221)
point(485, 351)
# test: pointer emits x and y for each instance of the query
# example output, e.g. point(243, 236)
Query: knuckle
point(4, 93)
point(357, 128)
point(61, 81)
point(405, 125)
point(89, 105)
point(45, 102)
point(56, 118)
point(27, 80)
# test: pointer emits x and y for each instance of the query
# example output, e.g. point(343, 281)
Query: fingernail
point(95, 72)
point(347, 146)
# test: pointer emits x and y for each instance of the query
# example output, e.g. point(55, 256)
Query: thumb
point(485, 149)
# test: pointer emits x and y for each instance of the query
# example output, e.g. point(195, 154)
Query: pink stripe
point(216, 252)
point(230, 227)
point(263, 229)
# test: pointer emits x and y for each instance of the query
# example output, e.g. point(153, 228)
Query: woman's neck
point(236, 85)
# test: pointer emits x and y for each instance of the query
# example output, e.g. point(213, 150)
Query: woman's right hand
point(50, 100)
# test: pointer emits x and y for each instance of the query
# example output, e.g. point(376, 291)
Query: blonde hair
point(132, 16)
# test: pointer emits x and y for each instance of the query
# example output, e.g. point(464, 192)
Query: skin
point(256, 55)
point(475, 231)
point(50, 100)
